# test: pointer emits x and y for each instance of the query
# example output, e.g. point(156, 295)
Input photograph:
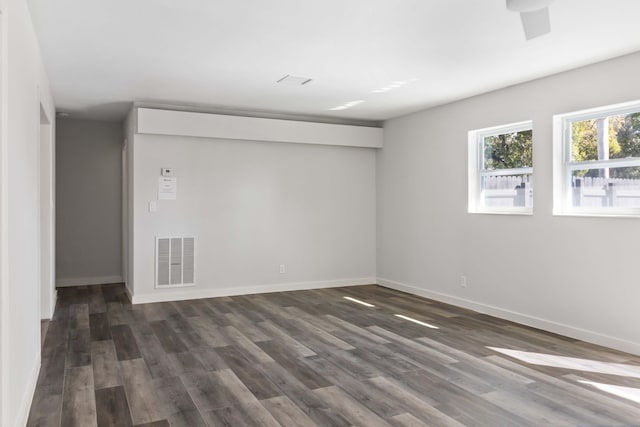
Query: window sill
point(519, 212)
point(635, 215)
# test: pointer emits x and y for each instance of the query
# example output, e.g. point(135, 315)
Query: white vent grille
point(175, 261)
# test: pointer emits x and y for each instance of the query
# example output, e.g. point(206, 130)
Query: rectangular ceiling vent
point(175, 262)
point(294, 80)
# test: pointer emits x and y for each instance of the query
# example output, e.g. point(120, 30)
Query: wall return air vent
point(175, 262)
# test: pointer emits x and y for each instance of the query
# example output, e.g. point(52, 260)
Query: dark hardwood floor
point(310, 358)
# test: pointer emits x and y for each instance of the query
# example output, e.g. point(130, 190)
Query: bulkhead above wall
point(206, 125)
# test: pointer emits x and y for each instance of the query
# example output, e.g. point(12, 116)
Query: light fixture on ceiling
point(62, 115)
point(347, 105)
point(294, 80)
point(534, 15)
point(394, 85)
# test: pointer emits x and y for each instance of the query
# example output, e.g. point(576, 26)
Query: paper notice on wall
point(167, 188)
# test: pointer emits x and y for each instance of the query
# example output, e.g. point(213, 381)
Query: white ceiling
point(228, 54)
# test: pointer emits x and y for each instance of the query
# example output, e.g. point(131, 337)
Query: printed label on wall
point(167, 188)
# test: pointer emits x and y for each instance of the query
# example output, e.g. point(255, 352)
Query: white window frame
point(564, 166)
point(477, 172)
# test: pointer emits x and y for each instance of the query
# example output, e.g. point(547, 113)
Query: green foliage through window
point(628, 135)
point(508, 151)
point(623, 142)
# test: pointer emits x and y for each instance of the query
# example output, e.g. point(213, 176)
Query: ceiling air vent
point(294, 80)
point(175, 261)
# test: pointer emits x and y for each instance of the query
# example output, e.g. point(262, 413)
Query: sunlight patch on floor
point(574, 363)
point(411, 319)
point(626, 392)
point(366, 304)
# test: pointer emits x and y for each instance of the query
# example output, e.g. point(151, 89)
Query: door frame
point(47, 216)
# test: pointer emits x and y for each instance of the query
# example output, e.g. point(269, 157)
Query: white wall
point(253, 206)
point(24, 87)
point(573, 275)
point(130, 125)
point(4, 221)
point(89, 202)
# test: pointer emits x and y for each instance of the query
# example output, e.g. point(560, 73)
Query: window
point(501, 169)
point(597, 161)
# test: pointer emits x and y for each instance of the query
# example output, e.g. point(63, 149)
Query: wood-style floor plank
point(297, 392)
point(208, 392)
point(161, 423)
point(79, 348)
point(78, 399)
point(139, 391)
point(287, 413)
point(284, 340)
point(259, 385)
point(100, 330)
point(112, 408)
point(78, 316)
point(169, 339)
point(106, 369)
point(229, 416)
point(245, 399)
point(371, 397)
point(48, 406)
point(126, 345)
point(314, 358)
point(350, 408)
point(310, 378)
point(175, 403)
point(418, 406)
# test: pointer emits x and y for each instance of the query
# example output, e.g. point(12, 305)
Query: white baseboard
point(164, 295)
point(524, 319)
point(128, 292)
point(82, 281)
point(27, 398)
point(53, 305)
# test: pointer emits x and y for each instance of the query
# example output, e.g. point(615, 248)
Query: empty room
point(319, 213)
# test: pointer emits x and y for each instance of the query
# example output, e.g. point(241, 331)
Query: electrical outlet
point(463, 281)
point(282, 269)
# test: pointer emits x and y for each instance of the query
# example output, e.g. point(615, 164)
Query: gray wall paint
point(88, 204)
point(574, 275)
point(253, 206)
